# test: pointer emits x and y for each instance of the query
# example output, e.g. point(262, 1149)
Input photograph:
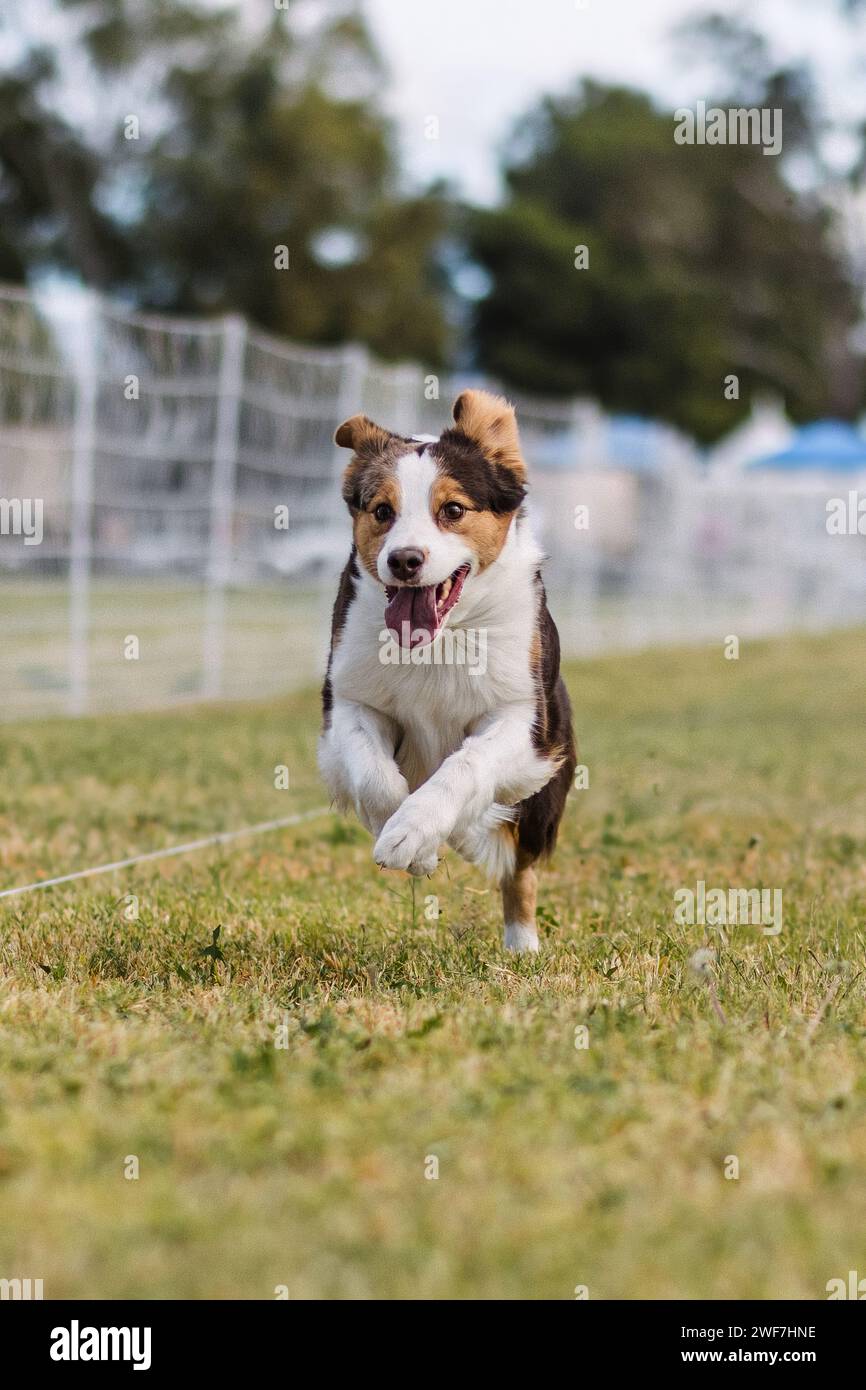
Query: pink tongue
point(411, 616)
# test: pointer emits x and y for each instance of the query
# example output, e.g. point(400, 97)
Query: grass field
point(411, 1039)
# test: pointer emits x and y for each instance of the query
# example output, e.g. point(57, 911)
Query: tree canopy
point(244, 140)
point(700, 263)
point(167, 150)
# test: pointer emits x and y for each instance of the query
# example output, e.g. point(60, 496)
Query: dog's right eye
point(383, 512)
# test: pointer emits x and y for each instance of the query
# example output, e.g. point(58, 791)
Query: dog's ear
point(368, 441)
point(491, 423)
point(363, 435)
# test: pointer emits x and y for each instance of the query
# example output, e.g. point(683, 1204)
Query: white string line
point(222, 838)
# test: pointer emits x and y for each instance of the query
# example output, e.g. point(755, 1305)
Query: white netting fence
point(171, 525)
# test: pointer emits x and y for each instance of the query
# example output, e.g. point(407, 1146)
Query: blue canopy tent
point(634, 442)
point(631, 442)
point(827, 446)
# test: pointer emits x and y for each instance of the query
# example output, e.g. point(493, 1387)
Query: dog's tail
point(491, 843)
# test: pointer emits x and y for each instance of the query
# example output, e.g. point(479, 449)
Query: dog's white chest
point(434, 716)
point(433, 705)
point(434, 702)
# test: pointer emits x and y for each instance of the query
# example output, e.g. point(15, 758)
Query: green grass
point(410, 1038)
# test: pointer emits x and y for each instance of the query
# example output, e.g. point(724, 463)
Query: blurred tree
point(48, 177)
point(252, 135)
point(703, 262)
point(291, 166)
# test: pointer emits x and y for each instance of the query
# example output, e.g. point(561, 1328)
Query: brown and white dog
point(445, 717)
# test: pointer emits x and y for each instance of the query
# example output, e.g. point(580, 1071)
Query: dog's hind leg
point(519, 892)
point(494, 846)
point(537, 826)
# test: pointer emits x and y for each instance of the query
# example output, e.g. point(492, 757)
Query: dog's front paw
point(407, 842)
point(376, 806)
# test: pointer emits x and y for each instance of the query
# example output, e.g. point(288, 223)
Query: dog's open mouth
point(415, 613)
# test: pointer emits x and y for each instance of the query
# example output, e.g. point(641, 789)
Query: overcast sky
point(476, 64)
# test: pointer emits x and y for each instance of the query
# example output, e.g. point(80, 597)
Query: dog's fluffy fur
point(429, 752)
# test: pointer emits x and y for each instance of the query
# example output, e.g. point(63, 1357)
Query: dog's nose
point(406, 562)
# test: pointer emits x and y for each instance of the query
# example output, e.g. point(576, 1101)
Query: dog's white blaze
point(415, 526)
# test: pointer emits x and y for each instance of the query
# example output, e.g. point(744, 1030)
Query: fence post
point(223, 482)
point(351, 393)
point(87, 332)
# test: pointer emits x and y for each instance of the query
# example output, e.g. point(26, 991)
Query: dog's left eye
point(452, 511)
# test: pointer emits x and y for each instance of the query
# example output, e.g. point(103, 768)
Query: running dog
point(446, 720)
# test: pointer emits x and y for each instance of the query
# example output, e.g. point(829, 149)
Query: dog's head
point(429, 516)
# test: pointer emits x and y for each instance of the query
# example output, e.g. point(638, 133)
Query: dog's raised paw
point(406, 843)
